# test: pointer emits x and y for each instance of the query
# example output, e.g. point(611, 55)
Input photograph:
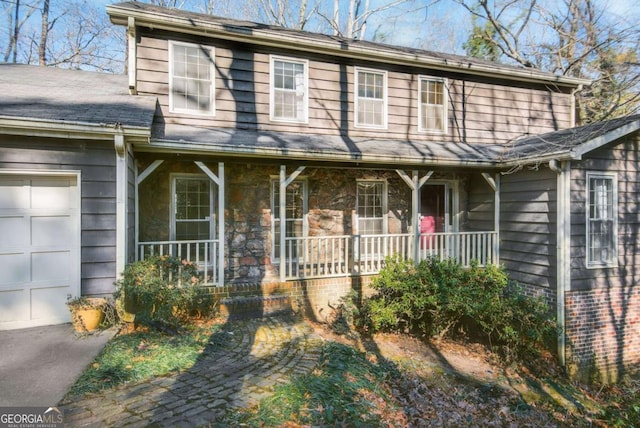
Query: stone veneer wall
point(603, 332)
point(248, 235)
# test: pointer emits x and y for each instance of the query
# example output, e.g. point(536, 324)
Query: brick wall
point(316, 298)
point(603, 332)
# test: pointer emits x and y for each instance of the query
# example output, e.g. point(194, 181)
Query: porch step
point(255, 306)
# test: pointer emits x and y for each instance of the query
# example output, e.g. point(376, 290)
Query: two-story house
point(290, 163)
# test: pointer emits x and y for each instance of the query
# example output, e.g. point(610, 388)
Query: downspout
point(572, 117)
point(121, 200)
point(132, 40)
point(563, 239)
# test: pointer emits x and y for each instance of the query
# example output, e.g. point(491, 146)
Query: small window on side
point(602, 220)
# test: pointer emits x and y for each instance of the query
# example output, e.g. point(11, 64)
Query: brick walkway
point(246, 360)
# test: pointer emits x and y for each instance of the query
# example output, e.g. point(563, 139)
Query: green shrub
point(164, 288)
point(441, 298)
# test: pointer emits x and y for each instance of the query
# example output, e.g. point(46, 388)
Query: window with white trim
point(295, 210)
point(602, 220)
point(289, 90)
point(370, 98)
point(432, 106)
point(192, 208)
point(371, 206)
point(191, 79)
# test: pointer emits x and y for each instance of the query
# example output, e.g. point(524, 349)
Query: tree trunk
point(16, 32)
point(42, 49)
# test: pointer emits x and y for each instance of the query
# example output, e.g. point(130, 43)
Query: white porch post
point(121, 202)
point(282, 205)
point(494, 182)
point(140, 177)
point(219, 180)
point(415, 184)
point(221, 232)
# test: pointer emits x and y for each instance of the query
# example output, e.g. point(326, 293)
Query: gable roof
point(68, 100)
point(567, 144)
point(160, 18)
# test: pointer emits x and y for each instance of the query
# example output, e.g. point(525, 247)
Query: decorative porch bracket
point(415, 184)
point(284, 182)
point(219, 180)
point(494, 183)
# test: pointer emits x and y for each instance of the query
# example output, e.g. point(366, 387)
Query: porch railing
point(334, 256)
point(326, 256)
point(203, 253)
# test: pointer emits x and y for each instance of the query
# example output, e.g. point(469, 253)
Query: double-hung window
point(432, 106)
point(295, 210)
point(371, 208)
point(289, 90)
point(191, 79)
point(192, 207)
point(372, 201)
point(602, 224)
point(370, 98)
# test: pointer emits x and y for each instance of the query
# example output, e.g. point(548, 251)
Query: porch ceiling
point(274, 145)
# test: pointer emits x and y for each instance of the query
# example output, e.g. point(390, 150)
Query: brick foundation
point(316, 298)
point(603, 332)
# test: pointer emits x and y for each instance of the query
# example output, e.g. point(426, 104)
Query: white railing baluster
point(333, 256)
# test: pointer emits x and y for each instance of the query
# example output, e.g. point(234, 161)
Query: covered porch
point(339, 222)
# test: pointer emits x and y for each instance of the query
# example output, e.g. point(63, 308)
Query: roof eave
point(212, 149)
point(119, 15)
point(606, 138)
point(28, 126)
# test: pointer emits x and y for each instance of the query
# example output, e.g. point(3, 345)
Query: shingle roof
point(54, 94)
point(572, 142)
point(280, 145)
point(562, 145)
point(215, 26)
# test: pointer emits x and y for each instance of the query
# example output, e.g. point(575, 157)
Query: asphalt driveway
point(38, 365)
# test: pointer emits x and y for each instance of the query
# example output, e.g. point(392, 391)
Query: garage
point(39, 247)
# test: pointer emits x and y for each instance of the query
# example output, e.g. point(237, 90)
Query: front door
point(435, 204)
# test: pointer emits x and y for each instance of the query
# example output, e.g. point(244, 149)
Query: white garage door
point(39, 248)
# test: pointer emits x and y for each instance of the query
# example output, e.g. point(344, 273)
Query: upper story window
point(432, 107)
point(370, 98)
point(602, 220)
point(289, 90)
point(191, 78)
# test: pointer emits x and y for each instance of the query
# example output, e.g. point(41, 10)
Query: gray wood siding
point(528, 227)
point(623, 158)
point(479, 112)
point(96, 161)
point(479, 209)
